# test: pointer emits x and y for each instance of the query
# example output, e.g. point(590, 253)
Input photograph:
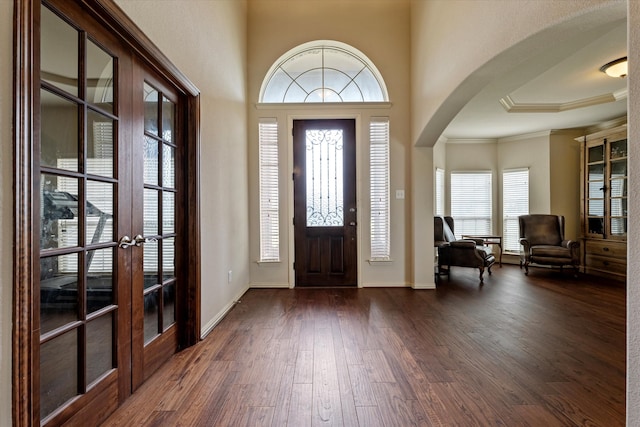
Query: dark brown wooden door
point(109, 215)
point(156, 153)
point(325, 202)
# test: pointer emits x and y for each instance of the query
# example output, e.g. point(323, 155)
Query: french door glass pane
point(59, 47)
point(151, 161)
point(150, 315)
point(99, 279)
point(58, 132)
point(324, 164)
point(168, 258)
point(151, 268)
point(150, 214)
point(99, 77)
point(596, 225)
point(59, 215)
point(169, 305)
point(619, 149)
point(99, 212)
point(150, 110)
point(58, 291)
point(58, 371)
point(168, 212)
point(168, 119)
point(168, 166)
point(99, 144)
point(99, 346)
point(596, 154)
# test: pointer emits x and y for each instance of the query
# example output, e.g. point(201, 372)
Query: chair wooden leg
point(481, 273)
point(526, 268)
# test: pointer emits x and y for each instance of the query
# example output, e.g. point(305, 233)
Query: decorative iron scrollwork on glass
point(324, 159)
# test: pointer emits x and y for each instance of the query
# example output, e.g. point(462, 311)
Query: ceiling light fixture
point(617, 68)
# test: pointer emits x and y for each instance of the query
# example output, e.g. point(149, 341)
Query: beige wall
point(381, 32)
point(6, 207)
point(207, 42)
point(633, 255)
point(564, 178)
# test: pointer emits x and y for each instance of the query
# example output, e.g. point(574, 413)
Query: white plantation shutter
point(269, 198)
point(439, 191)
point(379, 188)
point(471, 202)
point(515, 202)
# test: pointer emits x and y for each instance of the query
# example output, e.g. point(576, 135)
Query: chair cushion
point(550, 251)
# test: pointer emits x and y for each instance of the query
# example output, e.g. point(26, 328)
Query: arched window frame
point(298, 81)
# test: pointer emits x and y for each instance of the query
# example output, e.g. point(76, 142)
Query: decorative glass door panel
point(618, 188)
point(324, 162)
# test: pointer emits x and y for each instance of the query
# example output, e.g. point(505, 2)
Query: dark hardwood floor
point(543, 350)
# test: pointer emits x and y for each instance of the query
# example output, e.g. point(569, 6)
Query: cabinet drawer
point(606, 248)
point(612, 265)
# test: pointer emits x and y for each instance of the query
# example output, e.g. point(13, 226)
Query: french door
point(325, 202)
point(109, 205)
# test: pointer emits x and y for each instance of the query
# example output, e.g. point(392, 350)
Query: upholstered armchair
point(542, 242)
point(459, 253)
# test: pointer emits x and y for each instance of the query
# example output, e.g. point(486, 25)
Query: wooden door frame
point(25, 77)
point(315, 112)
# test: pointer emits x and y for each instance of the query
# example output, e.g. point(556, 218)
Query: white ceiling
point(552, 91)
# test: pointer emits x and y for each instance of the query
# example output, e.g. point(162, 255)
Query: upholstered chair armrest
point(465, 243)
point(526, 244)
point(573, 246)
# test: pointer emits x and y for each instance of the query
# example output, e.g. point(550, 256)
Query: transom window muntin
point(323, 71)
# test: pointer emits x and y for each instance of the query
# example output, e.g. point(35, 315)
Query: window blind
point(439, 191)
point(379, 187)
point(515, 202)
point(471, 202)
point(269, 198)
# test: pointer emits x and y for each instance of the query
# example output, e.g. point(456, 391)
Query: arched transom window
point(323, 71)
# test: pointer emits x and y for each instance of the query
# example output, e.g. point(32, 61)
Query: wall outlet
point(229, 276)
point(399, 194)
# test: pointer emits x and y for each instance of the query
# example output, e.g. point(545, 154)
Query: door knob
point(140, 240)
point(352, 223)
point(125, 242)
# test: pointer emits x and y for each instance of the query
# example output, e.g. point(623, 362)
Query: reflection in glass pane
point(58, 371)
point(619, 149)
point(168, 166)
point(99, 77)
point(596, 207)
point(596, 225)
point(619, 207)
point(150, 214)
point(58, 291)
point(324, 178)
point(58, 132)
point(168, 258)
point(168, 119)
point(596, 172)
point(59, 215)
point(596, 190)
point(99, 144)
point(151, 161)
point(151, 320)
point(99, 347)
point(59, 52)
point(596, 154)
point(99, 212)
point(151, 110)
point(618, 187)
point(168, 212)
point(618, 226)
point(99, 279)
point(150, 263)
point(168, 305)
point(619, 169)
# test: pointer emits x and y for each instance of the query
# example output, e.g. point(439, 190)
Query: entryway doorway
point(325, 202)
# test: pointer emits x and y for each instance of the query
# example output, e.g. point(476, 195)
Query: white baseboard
point(206, 330)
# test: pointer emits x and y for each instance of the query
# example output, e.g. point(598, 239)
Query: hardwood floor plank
point(539, 350)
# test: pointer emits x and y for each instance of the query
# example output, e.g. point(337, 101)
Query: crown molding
point(511, 106)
